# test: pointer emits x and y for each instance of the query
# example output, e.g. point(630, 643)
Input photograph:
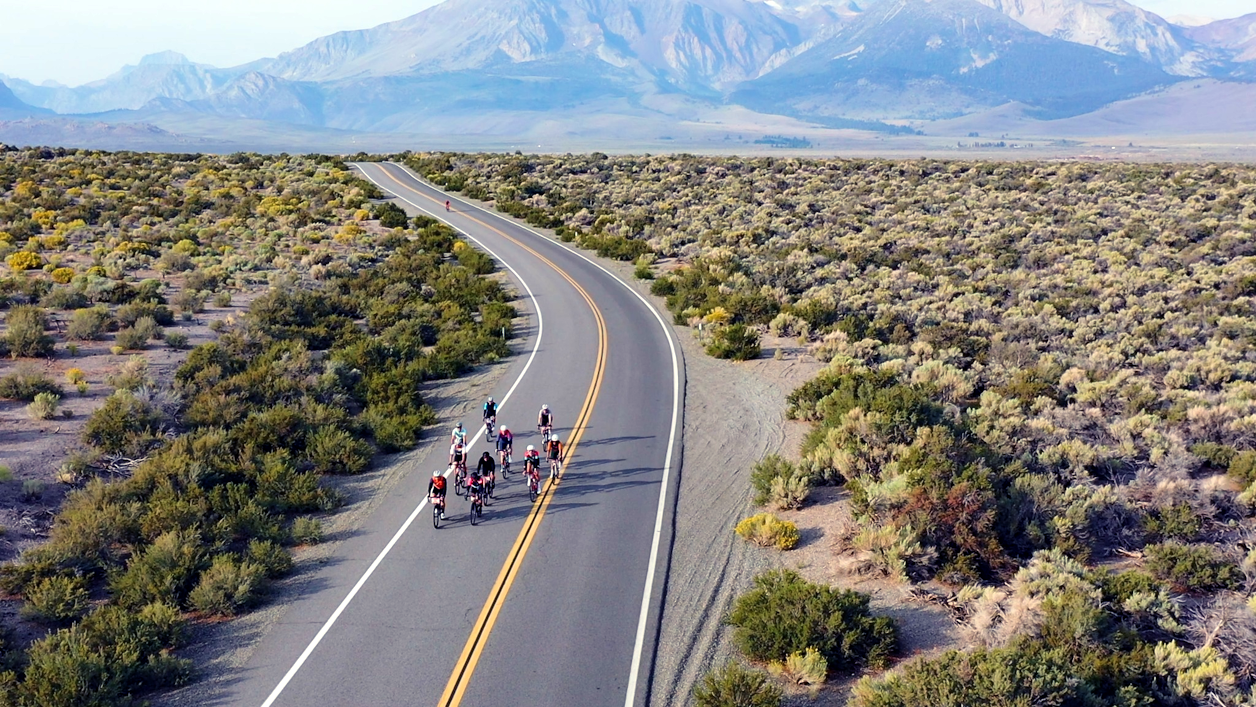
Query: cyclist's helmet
point(505, 428)
point(553, 438)
point(458, 427)
point(545, 407)
point(435, 473)
point(531, 448)
point(490, 399)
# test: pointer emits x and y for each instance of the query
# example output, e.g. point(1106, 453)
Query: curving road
point(553, 603)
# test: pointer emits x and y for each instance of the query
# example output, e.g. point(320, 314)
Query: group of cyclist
point(481, 480)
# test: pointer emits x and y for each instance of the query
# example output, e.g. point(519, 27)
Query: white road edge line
point(335, 615)
point(635, 673)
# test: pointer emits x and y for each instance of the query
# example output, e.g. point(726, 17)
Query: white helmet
point(553, 438)
point(436, 473)
point(531, 448)
point(459, 426)
point(545, 407)
point(490, 398)
point(505, 428)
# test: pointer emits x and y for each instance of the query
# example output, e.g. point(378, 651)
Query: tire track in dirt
point(734, 415)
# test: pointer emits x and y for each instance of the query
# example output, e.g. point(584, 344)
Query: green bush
point(132, 339)
point(766, 530)
point(1192, 568)
point(786, 614)
point(164, 572)
point(32, 490)
point(24, 332)
point(1003, 677)
point(176, 340)
point(64, 298)
point(105, 659)
point(227, 587)
point(1242, 466)
point(732, 685)
point(765, 474)
point(44, 406)
point(124, 424)
point(1176, 522)
point(56, 600)
point(130, 314)
point(390, 215)
point(307, 531)
point(88, 324)
point(332, 450)
point(272, 558)
point(735, 341)
point(26, 382)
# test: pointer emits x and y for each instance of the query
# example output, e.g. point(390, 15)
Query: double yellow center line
point(456, 688)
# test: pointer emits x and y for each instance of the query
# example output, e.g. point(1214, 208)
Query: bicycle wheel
point(435, 516)
point(532, 490)
point(458, 487)
point(475, 513)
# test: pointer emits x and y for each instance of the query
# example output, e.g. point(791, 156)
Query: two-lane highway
point(552, 603)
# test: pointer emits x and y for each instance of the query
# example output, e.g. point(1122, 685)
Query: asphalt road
point(556, 600)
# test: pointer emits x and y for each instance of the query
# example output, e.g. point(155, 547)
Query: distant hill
point(941, 58)
point(518, 68)
point(97, 135)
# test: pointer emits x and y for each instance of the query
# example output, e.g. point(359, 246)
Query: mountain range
point(505, 66)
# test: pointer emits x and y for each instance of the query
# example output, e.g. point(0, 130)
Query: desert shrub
point(272, 558)
point(24, 332)
point(804, 668)
point(32, 490)
point(163, 573)
point(307, 531)
point(1242, 466)
point(24, 260)
point(227, 587)
point(766, 530)
point(732, 685)
point(222, 299)
point(893, 550)
point(785, 614)
point(62, 275)
point(26, 382)
point(124, 424)
point(56, 600)
point(147, 327)
point(132, 339)
point(44, 406)
point(88, 324)
point(1001, 677)
point(764, 475)
point(1192, 568)
point(789, 493)
point(64, 298)
point(176, 340)
point(105, 659)
point(1175, 522)
point(334, 451)
point(130, 314)
point(736, 341)
point(189, 300)
point(390, 215)
point(131, 375)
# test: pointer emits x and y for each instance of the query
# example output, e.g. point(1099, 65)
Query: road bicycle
point(477, 507)
point(506, 459)
point(555, 467)
point(489, 423)
point(460, 478)
point(546, 431)
point(438, 509)
point(533, 476)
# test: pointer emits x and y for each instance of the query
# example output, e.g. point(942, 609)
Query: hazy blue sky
point(76, 41)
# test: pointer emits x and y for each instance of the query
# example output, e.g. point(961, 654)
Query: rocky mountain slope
point(942, 58)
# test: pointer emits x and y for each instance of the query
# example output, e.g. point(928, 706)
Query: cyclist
point(459, 435)
point(532, 463)
point(475, 489)
point(490, 416)
point(505, 447)
point(486, 470)
point(555, 450)
point(458, 456)
point(545, 421)
point(446, 204)
point(436, 491)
